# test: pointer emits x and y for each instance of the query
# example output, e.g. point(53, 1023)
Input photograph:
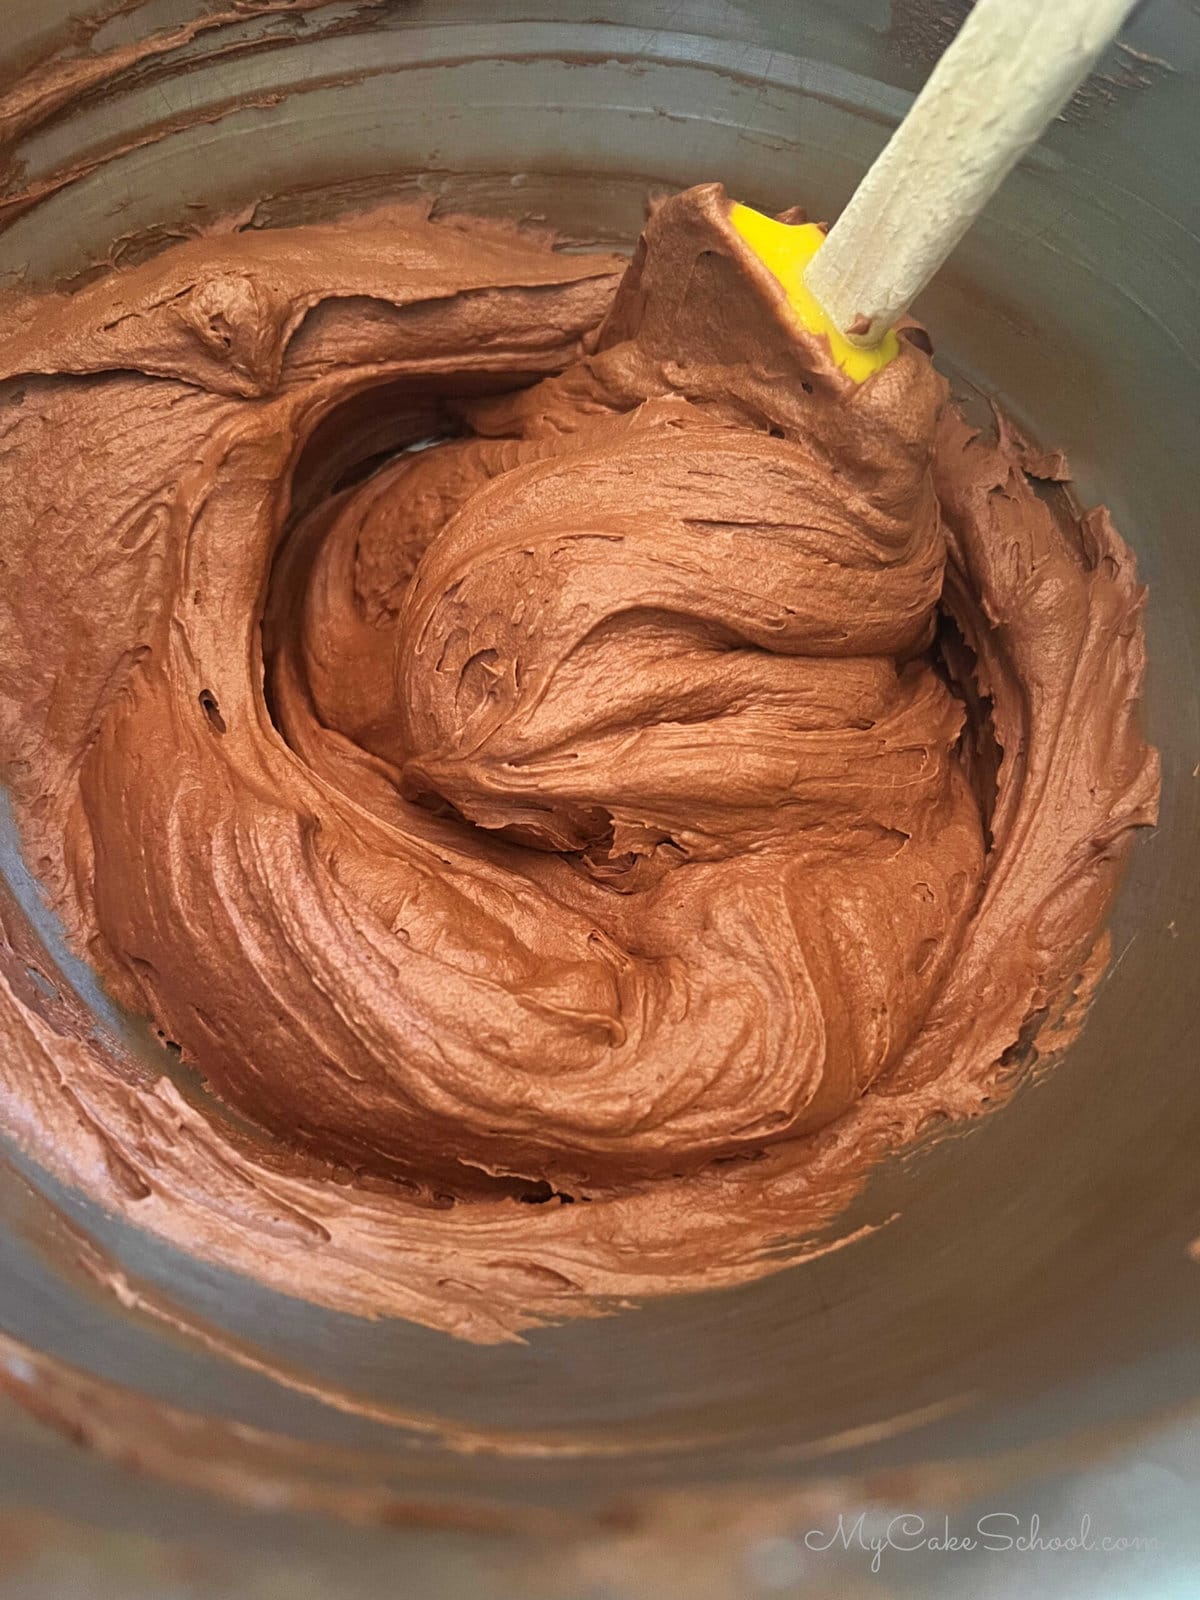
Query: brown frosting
point(678, 785)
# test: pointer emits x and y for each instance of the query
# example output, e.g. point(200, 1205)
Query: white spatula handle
point(1009, 72)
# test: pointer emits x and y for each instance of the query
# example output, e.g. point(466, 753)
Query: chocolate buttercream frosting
point(528, 728)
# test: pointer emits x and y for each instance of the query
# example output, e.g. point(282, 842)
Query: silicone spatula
point(1008, 73)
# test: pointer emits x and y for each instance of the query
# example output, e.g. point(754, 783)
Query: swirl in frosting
point(526, 735)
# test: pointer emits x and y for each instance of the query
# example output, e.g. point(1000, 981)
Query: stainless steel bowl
point(1025, 1336)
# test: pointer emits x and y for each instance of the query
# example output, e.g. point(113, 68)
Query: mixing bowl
point(1022, 1337)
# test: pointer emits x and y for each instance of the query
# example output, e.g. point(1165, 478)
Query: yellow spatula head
point(785, 249)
